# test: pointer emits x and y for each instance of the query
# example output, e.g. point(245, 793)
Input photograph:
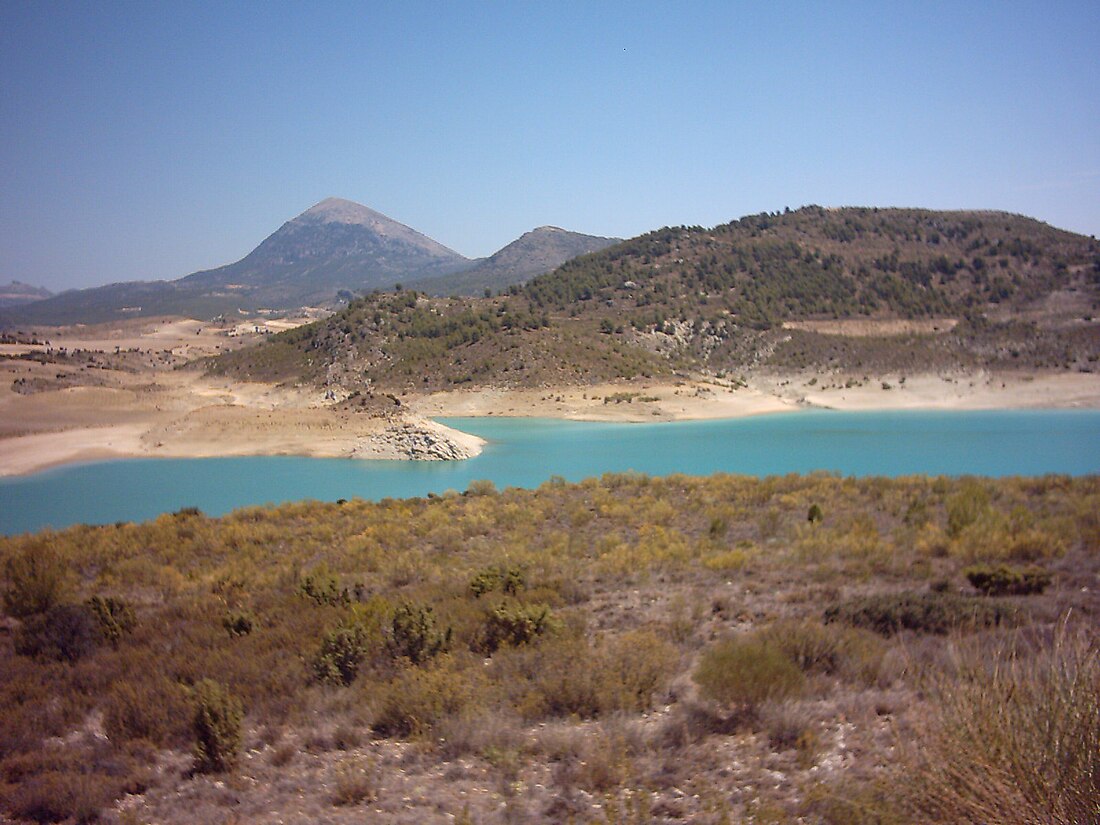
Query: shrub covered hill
point(1010, 292)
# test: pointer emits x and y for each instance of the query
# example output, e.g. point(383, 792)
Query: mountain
point(534, 253)
point(333, 248)
point(335, 245)
point(929, 290)
point(18, 293)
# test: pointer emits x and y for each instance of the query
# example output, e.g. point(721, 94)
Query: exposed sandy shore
point(157, 411)
point(187, 417)
point(635, 401)
point(132, 401)
point(953, 391)
point(767, 393)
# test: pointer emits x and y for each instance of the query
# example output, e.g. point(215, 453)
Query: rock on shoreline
point(420, 440)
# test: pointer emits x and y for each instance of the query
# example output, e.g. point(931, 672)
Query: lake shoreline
point(132, 390)
point(194, 418)
point(529, 452)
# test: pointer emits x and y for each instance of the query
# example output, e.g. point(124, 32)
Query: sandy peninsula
point(123, 391)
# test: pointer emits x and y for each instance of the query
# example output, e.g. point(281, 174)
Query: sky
point(147, 140)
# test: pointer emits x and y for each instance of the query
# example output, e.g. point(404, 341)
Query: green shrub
point(322, 588)
point(1002, 580)
point(567, 676)
point(852, 653)
point(508, 580)
point(413, 634)
point(217, 728)
point(742, 672)
point(815, 514)
point(514, 624)
point(343, 649)
point(481, 487)
point(37, 579)
point(632, 668)
point(923, 612)
point(115, 617)
point(64, 633)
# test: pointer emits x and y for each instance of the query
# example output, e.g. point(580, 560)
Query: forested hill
point(1013, 292)
point(830, 263)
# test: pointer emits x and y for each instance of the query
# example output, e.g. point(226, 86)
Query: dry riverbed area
point(125, 390)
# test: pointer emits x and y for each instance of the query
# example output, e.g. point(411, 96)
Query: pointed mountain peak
point(340, 210)
point(349, 213)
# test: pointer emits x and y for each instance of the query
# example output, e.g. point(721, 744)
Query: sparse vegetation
point(676, 640)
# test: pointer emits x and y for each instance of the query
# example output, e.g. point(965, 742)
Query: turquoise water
point(526, 452)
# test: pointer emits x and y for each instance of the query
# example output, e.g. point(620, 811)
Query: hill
point(992, 290)
point(18, 293)
point(534, 253)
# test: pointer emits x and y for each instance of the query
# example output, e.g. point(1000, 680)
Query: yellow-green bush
point(742, 672)
point(37, 577)
point(851, 653)
point(418, 698)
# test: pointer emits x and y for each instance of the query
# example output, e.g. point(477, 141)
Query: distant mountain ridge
point(332, 250)
point(18, 293)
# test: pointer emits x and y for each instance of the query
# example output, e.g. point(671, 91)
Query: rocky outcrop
point(421, 440)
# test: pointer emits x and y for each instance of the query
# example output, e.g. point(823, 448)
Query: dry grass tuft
point(1013, 736)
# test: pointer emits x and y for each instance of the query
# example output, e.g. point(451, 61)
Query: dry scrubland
point(624, 650)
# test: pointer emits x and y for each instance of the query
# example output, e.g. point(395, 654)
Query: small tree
point(342, 651)
point(217, 728)
point(414, 636)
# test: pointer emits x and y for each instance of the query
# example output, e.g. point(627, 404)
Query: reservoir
point(524, 452)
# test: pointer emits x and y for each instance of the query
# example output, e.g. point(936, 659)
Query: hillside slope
point(1010, 292)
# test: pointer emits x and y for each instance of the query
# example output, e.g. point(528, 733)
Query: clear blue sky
point(143, 140)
